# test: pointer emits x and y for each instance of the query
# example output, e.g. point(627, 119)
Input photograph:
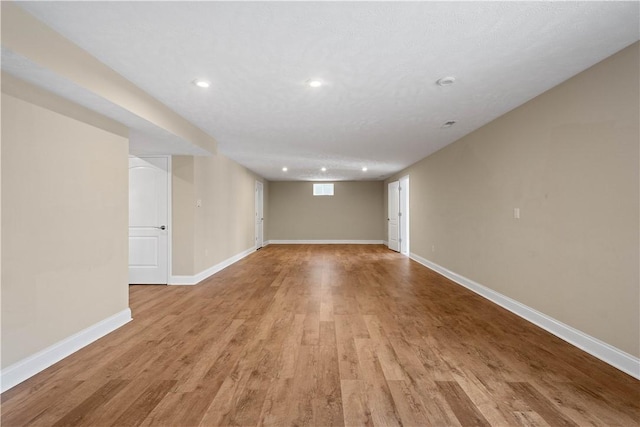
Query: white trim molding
point(600, 349)
point(26, 368)
point(197, 278)
point(325, 242)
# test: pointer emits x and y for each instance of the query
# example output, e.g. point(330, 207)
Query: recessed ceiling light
point(323, 169)
point(364, 169)
point(448, 124)
point(314, 83)
point(284, 169)
point(446, 81)
point(202, 83)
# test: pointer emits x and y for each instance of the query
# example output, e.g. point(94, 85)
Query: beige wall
point(353, 213)
point(27, 36)
point(64, 227)
point(27, 92)
point(223, 226)
point(569, 160)
point(182, 215)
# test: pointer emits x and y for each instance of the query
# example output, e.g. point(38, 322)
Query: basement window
point(323, 189)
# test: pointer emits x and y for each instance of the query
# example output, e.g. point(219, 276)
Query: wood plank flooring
point(324, 335)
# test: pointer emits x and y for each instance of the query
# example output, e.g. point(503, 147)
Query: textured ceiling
point(379, 107)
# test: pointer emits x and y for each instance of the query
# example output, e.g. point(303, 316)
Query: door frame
point(169, 204)
point(404, 219)
point(255, 224)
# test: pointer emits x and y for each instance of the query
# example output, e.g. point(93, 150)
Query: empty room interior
point(320, 213)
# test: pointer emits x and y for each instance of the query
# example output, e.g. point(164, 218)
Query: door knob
point(162, 227)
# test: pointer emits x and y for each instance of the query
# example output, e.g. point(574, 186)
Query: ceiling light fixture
point(202, 83)
point(323, 169)
point(446, 81)
point(284, 169)
point(314, 83)
point(448, 124)
point(364, 169)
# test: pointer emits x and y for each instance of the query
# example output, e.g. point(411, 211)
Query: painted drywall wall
point(27, 36)
point(568, 160)
point(353, 213)
point(182, 215)
point(223, 225)
point(35, 95)
point(64, 227)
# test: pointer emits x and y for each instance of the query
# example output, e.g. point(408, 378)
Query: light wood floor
point(324, 335)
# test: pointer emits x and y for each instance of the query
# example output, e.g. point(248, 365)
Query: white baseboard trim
point(325, 242)
point(197, 278)
point(29, 366)
point(603, 351)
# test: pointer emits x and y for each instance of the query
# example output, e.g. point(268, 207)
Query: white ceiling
point(379, 107)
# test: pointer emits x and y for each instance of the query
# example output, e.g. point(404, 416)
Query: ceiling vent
point(446, 81)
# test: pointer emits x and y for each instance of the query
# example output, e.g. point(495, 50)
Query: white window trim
point(323, 189)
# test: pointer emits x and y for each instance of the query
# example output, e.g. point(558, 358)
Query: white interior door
point(259, 215)
point(392, 218)
point(404, 215)
point(148, 220)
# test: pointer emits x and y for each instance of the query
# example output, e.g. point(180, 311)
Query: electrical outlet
point(516, 213)
point(433, 248)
